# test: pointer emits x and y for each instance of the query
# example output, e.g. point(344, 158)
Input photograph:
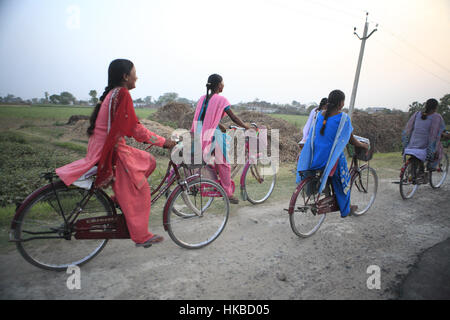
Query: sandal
point(147, 244)
point(233, 200)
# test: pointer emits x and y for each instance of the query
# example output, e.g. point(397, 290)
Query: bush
point(21, 161)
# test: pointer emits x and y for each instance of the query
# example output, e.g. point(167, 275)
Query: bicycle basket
point(361, 152)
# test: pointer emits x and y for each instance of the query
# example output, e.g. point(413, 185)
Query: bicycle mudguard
point(291, 208)
point(29, 199)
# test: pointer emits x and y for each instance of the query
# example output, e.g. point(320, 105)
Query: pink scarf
point(214, 113)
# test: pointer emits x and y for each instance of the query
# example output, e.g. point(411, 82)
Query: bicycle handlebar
point(253, 124)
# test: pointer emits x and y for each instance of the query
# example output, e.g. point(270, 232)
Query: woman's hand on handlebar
point(169, 144)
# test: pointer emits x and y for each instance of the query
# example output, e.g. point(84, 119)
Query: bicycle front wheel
point(305, 220)
point(408, 186)
point(438, 176)
point(364, 190)
point(45, 239)
point(201, 221)
point(259, 181)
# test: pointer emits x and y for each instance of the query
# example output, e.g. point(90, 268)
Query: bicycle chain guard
point(327, 205)
point(106, 227)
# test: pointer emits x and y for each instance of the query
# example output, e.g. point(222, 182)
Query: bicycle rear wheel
point(364, 190)
point(193, 230)
point(438, 176)
point(305, 221)
point(408, 187)
point(259, 181)
point(42, 218)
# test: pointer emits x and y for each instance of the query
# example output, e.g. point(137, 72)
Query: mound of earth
point(173, 114)
point(384, 130)
point(289, 135)
point(75, 118)
point(78, 133)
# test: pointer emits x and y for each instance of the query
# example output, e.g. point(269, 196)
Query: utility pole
point(358, 69)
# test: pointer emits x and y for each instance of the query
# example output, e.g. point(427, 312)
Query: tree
point(148, 100)
point(67, 98)
point(414, 107)
point(93, 95)
point(46, 97)
point(55, 99)
point(167, 98)
point(311, 107)
point(444, 108)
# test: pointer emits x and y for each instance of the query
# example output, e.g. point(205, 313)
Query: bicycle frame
point(106, 227)
point(329, 203)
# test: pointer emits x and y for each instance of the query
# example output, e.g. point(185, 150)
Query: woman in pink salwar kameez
point(211, 108)
point(125, 168)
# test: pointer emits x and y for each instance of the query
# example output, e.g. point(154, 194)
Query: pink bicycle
point(58, 226)
point(258, 177)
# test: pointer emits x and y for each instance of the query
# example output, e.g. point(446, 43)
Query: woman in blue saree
point(324, 150)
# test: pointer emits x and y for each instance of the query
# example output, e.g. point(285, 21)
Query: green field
point(297, 120)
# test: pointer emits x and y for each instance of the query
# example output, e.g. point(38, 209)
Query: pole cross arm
point(371, 34)
point(365, 38)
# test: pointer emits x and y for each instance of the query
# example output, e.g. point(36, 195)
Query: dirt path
point(258, 257)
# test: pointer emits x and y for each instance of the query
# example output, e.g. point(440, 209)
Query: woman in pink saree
point(125, 168)
point(211, 108)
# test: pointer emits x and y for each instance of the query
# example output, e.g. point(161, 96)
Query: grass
point(297, 120)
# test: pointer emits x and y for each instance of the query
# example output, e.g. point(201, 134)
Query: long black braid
point(116, 70)
point(334, 100)
point(214, 81)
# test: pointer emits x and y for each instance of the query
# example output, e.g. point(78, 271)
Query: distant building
point(260, 109)
point(373, 110)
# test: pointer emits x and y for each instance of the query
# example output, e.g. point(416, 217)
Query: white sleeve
point(308, 126)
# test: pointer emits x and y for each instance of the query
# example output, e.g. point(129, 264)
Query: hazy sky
point(273, 50)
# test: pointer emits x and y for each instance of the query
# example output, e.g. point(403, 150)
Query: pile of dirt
point(75, 118)
point(77, 132)
point(383, 130)
point(289, 135)
point(181, 115)
point(174, 114)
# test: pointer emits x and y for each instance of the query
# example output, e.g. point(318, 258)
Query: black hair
point(116, 70)
point(323, 103)
point(334, 100)
point(214, 81)
point(430, 106)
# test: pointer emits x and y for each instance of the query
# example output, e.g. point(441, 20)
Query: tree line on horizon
point(295, 107)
